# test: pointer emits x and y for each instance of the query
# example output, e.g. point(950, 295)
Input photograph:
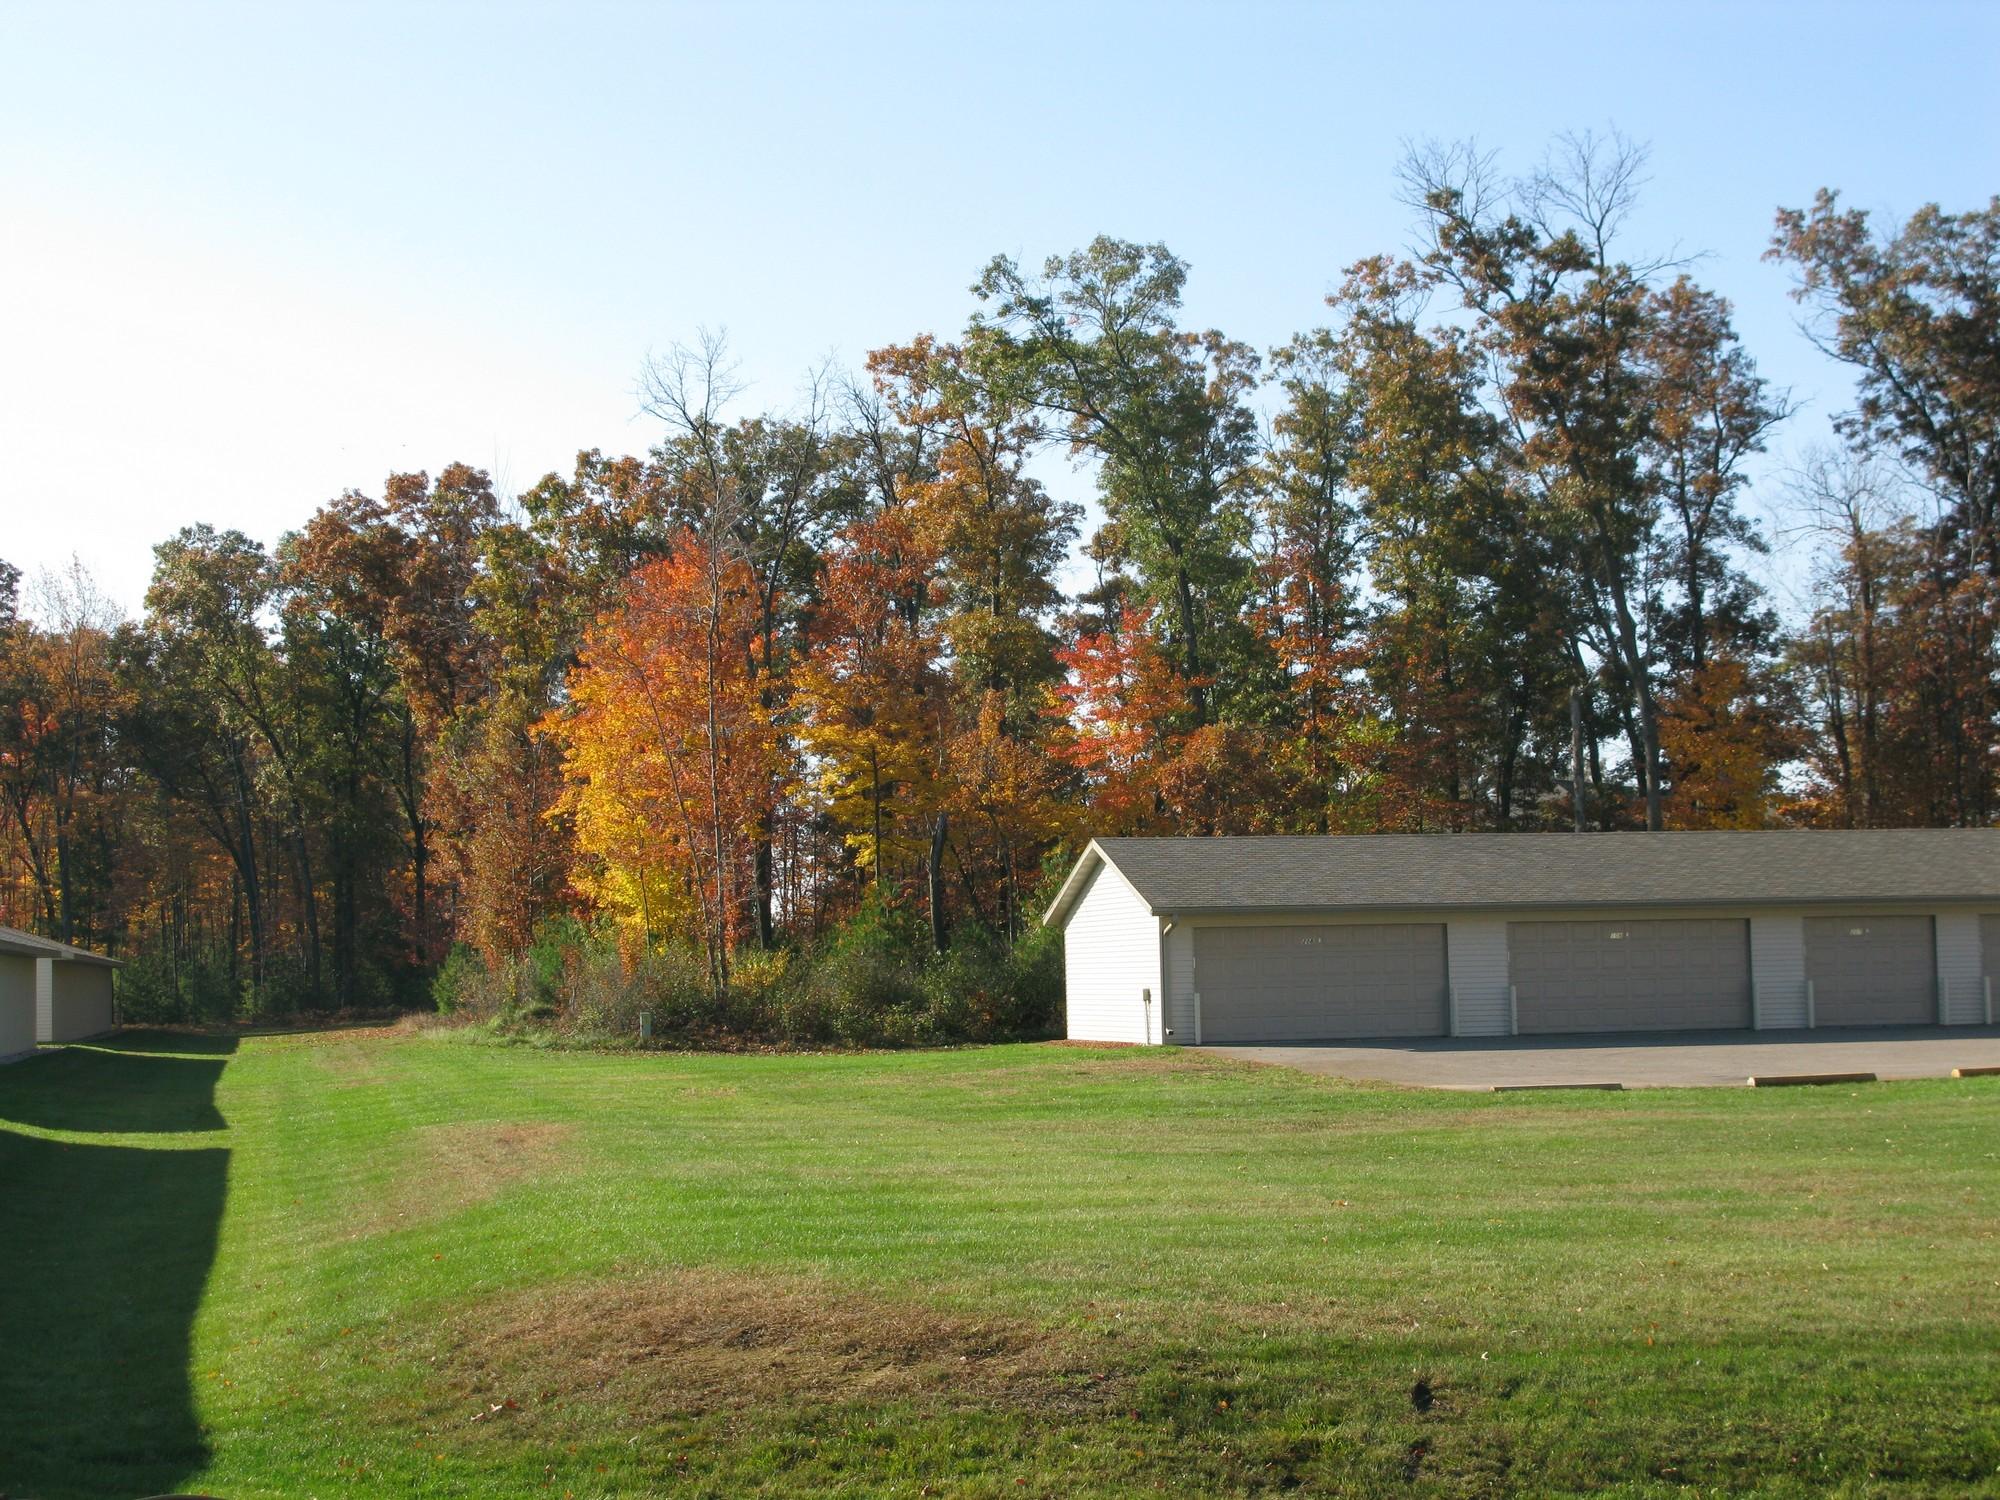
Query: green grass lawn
point(369, 1263)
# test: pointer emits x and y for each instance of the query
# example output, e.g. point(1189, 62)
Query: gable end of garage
point(1111, 961)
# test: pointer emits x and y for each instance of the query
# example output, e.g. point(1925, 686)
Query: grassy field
point(371, 1263)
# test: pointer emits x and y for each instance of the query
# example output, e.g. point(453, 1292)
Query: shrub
point(195, 990)
point(460, 981)
point(873, 982)
point(986, 989)
point(869, 985)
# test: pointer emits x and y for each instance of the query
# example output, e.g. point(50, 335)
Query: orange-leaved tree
point(1725, 744)
point(1122, 699)
point(667, 749)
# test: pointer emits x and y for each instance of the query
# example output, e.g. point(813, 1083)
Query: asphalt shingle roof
point(1359, 871)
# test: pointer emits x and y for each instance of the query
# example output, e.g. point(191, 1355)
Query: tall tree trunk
point(235, 939)
point(1513, 725)
point(714, 665)
point(1638, 670)
point(308, 898)
point(875, 793)
point(247, 866)
point(1870, 693)
point(763, 860)
point(940, 930)
point(1836, 729)
point(1597, 797)
point(1694, 539)
point(763, 863)
point(1190, 645)
point(38, 864)
point(66, 907)
point(410, 794)
point(1577, 817)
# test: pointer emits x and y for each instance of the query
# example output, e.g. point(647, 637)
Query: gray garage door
point(1872, 971)
point(1631, 976)
point(1276, 984)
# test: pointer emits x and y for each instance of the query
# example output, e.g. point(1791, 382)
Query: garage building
point(69, 989)
point(1271, 939)
point(17, 997)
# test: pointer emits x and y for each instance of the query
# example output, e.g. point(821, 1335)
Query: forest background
point(778, 727)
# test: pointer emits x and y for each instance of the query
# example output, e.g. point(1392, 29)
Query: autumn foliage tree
point(1728, 742)
point(667, 750)
point(1911, 312)
point(1120, 701)
point(873, 701)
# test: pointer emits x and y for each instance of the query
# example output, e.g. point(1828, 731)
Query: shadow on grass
point(183, 1043)
point(104, 1253)
point(135, 1083)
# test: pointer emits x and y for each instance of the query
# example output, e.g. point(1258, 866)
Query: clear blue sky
point(253, 255)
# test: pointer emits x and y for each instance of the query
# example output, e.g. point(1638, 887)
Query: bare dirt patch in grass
point(348, 1064)
point(350, 1056)
point(1076, 1070)
point(335, 1036)
point(447, 1168)
point(686, 1343)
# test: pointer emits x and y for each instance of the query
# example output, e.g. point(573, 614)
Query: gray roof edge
point(1073, 884)
point(1662, 903)
point(28, 945)
point(1891, 868)
point(1559, 835)
point(79, 956)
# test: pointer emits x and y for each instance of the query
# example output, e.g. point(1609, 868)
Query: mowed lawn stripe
point(1090, 1271)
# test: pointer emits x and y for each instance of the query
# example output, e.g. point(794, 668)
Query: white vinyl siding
point(78, 1003)
point(45, 999)
point(1959, 1000)
point(1476, 959)
point(17, 1004)
point(1989, 950)
point(1111, 959)
point(1182, 1023)
point(1778, 970)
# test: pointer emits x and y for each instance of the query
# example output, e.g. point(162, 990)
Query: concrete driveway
point(1673, 1059)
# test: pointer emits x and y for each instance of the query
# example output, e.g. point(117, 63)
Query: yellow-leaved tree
point(667, 751)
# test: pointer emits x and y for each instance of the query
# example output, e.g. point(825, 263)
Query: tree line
point(1474, 554)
